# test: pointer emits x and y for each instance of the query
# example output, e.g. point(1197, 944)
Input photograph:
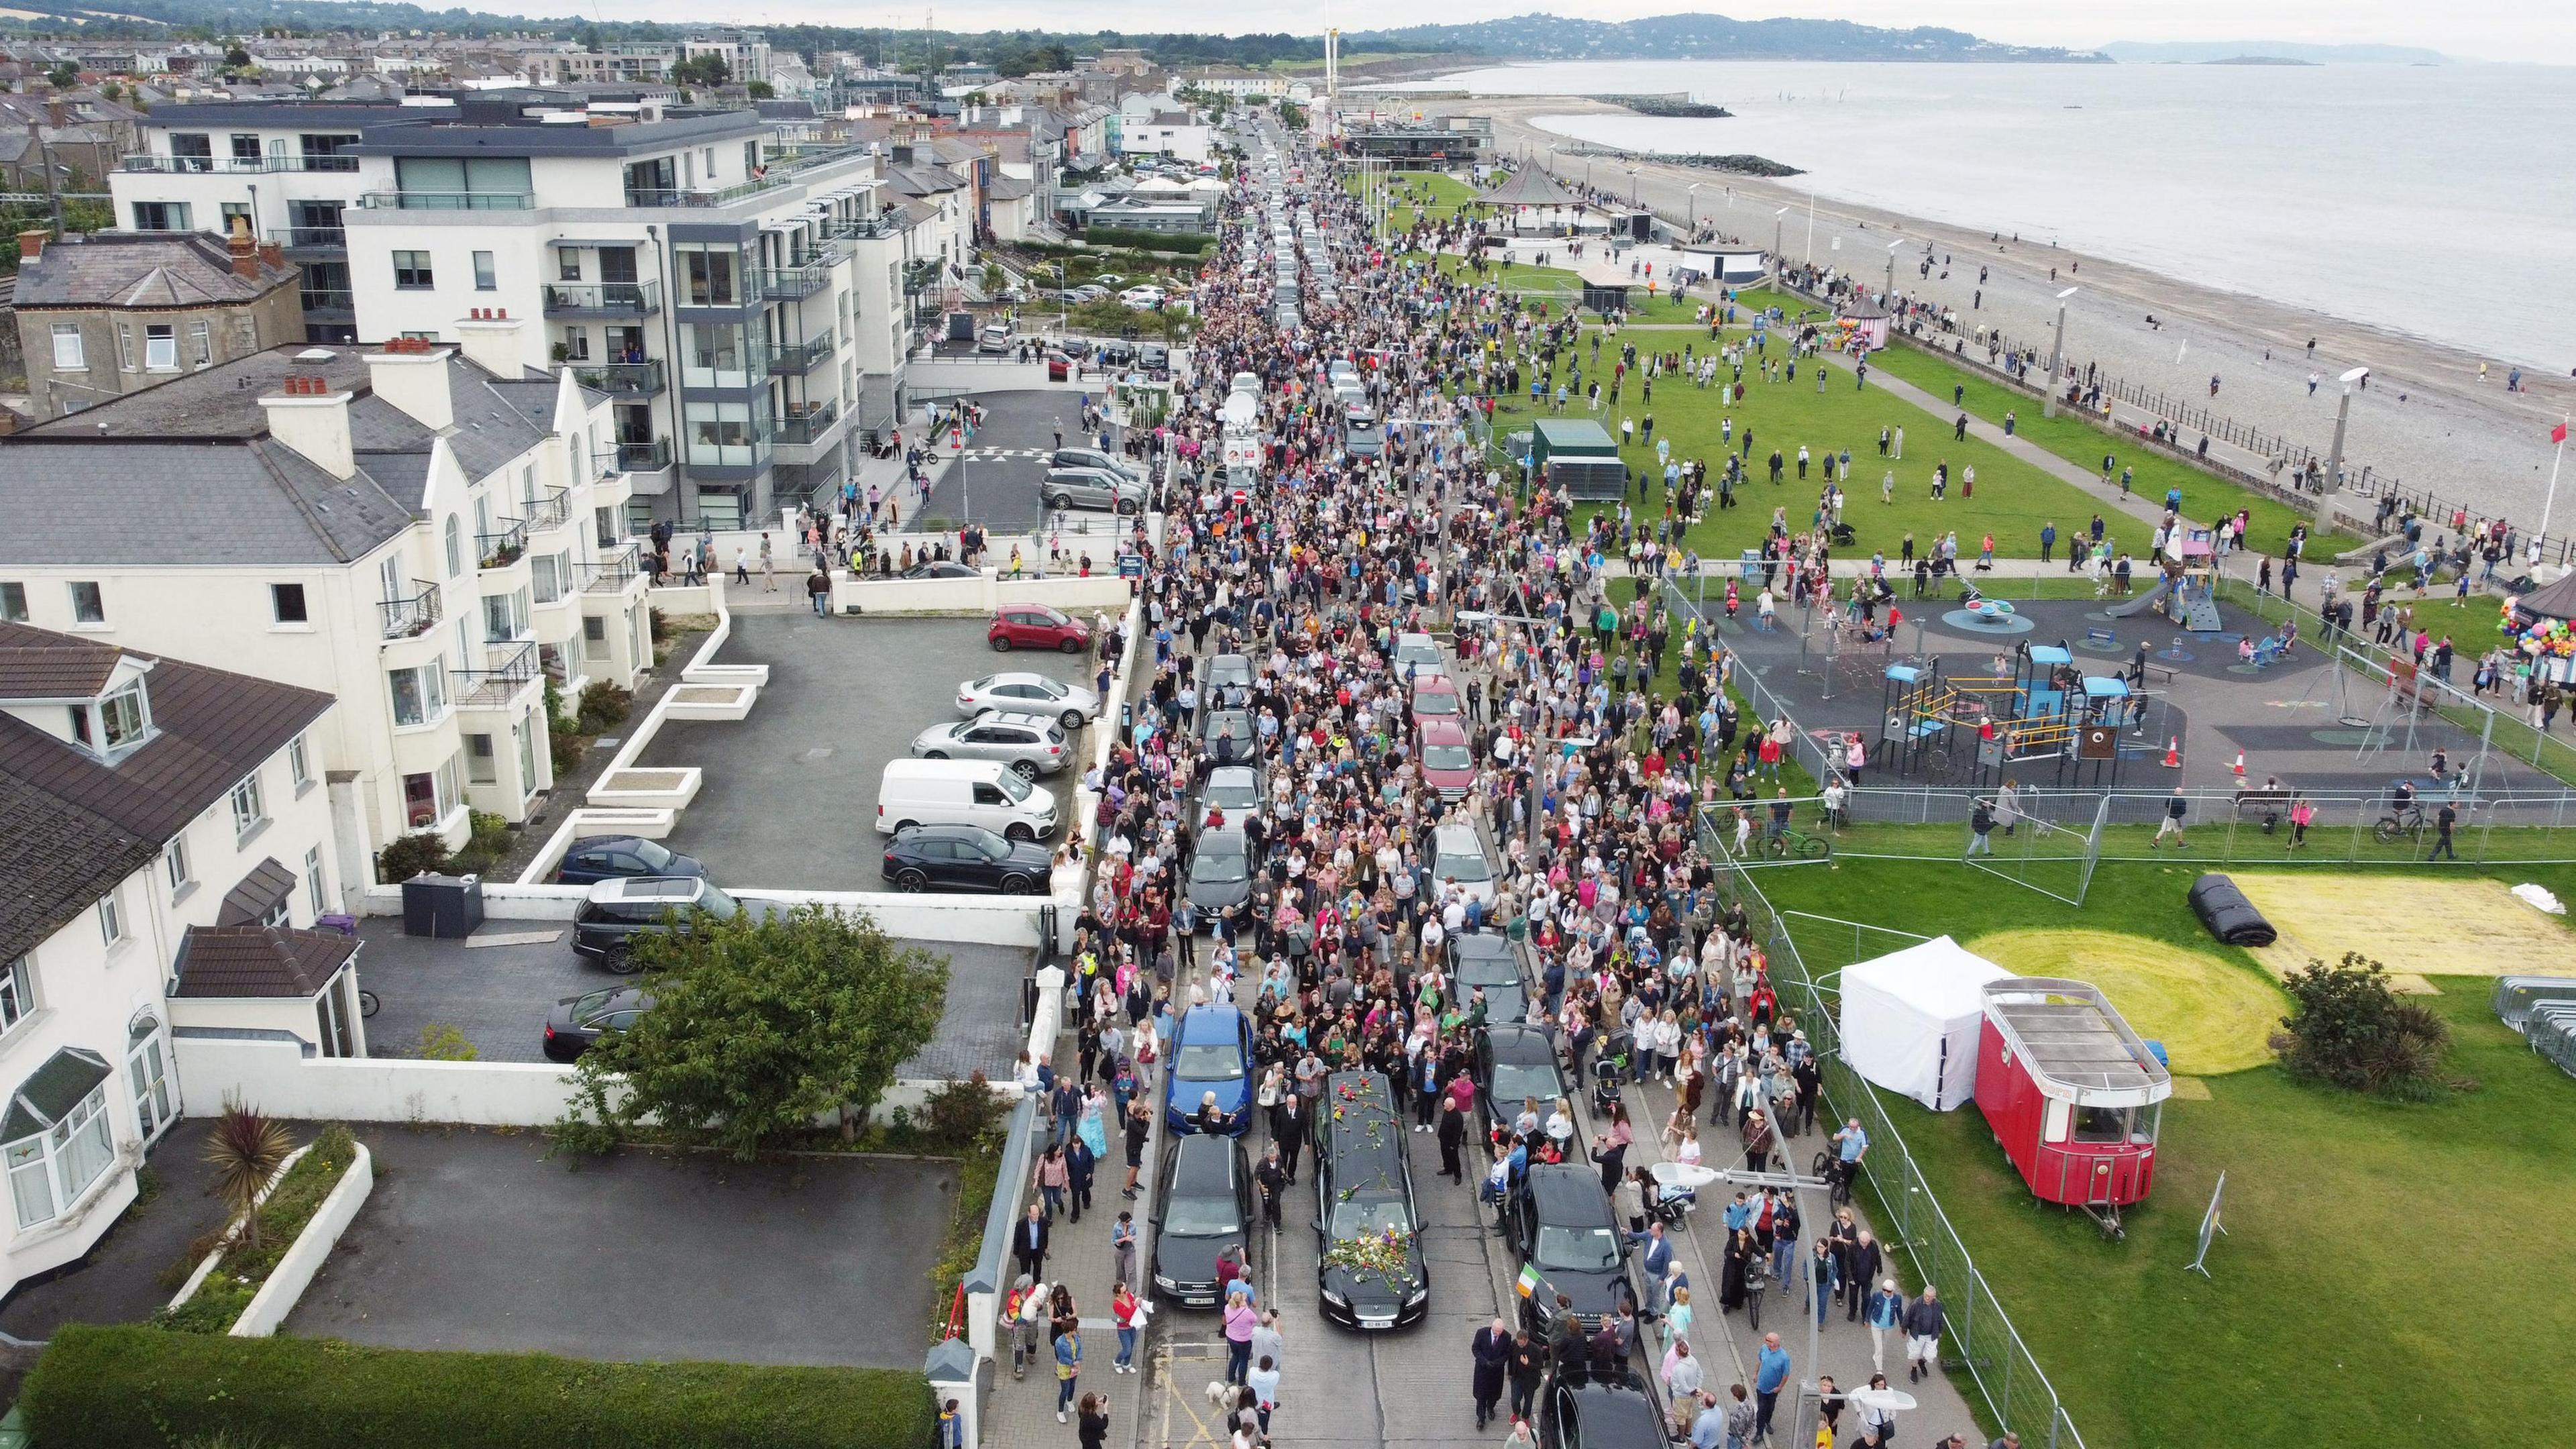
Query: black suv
point(1369, 1262)
point(965, 858)
point(1565, 1227)
point(1514, 1063)
point(1206, 1208)
point(619, 910)
point(1595, 1411)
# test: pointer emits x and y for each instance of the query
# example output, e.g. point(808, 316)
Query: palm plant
point(245, 1148)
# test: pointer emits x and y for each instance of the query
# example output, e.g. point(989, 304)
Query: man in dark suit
point(1288, 1129)
point(1492, 1349)
point(1029, 1244)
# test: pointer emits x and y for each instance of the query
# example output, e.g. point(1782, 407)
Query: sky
point(2502, 30)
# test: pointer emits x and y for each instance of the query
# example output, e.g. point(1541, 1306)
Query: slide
point(2142, 602)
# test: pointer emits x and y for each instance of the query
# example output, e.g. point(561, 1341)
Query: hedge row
point(110, 1387)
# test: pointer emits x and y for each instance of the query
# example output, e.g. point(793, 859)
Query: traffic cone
point(2240, 764)
point(2173, 752)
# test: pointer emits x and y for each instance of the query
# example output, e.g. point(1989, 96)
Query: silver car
point(1032, 744)
point(1092, 488)
point(1020, 692)
point(1417, 655)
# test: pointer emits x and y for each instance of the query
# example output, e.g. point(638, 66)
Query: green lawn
point(2392, 1275)
point(1420, 194)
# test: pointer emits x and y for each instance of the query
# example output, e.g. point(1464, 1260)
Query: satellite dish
point(1241, 411)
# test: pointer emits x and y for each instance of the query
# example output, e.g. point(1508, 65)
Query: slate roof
point(142, 270)
point(44, 671)
point(1528, 186)
point(239, 961)
point(259, 893)
point(77, 826)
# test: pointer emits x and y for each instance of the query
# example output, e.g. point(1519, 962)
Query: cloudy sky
point(2517, 30)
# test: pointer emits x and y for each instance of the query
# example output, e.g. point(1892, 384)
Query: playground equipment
point(2191, 596)
point(2044, 712)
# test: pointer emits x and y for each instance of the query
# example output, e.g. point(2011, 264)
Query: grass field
point(2392, 1275)
point(1420, 194)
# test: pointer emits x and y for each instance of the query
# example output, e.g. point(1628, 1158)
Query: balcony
point(622, 379)
point(786, 284)
point(551, 511)
point(447, 201)
point(867, 228)
point(234, 165)
point(603, 299)
point(501, 549)
point(412, 617)
point(328, 299)
point(616, 569)
point(801, 357)
point(650, 457)
point(310, 238)
point(513, 667)
point(920, 273)
point(801, 429)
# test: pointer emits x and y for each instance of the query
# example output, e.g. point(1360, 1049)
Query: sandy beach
point(2425, 418)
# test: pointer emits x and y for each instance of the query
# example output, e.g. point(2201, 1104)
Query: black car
point(1231, 739)
point(1369, 1264)
point(965, 858)
point(1595, 1411)
point(1514, 1064)
point(577, 1021)
point(619, 910)
point(1206, 1208)
point(616, 857)
point(1487, 959)
point(1565, 1227)
point(941, 568)
point(1220, 871)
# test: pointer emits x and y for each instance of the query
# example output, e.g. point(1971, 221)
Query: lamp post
point(1811, 218)
point(2334, 455)
point(1885, 297)
point(2056, 356)
point(1694, 207)
point(1632, 186)
point(1776, 224)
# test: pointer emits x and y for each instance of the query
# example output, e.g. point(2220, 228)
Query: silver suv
point(1033, 744)
point(1092, 488)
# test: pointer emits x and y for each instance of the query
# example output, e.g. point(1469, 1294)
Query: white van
point(963, 792)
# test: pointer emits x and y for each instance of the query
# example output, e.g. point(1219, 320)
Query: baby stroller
point(1610, 1073)
point(1845, 535)
point(1679, 1184)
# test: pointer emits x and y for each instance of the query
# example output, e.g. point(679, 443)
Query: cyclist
point(1850, 1145)
point(1779, 829)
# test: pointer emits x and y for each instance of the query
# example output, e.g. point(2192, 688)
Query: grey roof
point(1528, 186)
point(51, 1091)
point(2555, 600)
point(143, 269)
point(260, 891)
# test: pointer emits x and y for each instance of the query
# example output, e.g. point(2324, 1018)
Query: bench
point(2270, 804)
point(2169, 671)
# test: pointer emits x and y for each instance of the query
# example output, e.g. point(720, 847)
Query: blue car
point(1211, 1052)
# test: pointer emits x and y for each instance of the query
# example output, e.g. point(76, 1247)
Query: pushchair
point(1680, 1183)
point(1610, 1073)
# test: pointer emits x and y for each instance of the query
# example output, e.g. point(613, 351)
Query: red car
point(1435, 697)
point(1035, 626)
point(1447, 760)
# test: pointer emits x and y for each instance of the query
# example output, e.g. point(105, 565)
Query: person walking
point(1861, 1262)
point(769, 574)
point(1923, 1324)
point(1886, 1312)
point(1068, 1370)
point(1264, 1383)
point(1770, 1373)
point(1127, 1315)
point(1453, 1136)
point(2443, 820)
point(1029, 1244)
point(2177, 805)
point(1657, 1263)
point(1491, 1349)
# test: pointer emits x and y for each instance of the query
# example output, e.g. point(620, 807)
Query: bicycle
point(367, 1002)
point(1838, 1181)
point(1757, 1286)
point(2399, 823)
point(1782, 844)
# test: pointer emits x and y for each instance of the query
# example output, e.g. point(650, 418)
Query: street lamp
point(1884, 297)
point(1776, 225)
point(2334, 456)
point(2056, 356)
point(1694, 206)
point(1632, 185)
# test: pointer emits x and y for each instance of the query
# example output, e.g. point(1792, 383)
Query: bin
point(446, 907)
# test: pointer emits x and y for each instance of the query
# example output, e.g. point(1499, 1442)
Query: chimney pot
point(31, 243)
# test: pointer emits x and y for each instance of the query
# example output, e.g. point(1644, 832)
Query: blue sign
point(1131, 565)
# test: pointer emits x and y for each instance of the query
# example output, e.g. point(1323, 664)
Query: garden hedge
point(114, 1387)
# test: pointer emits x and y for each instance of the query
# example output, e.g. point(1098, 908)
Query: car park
point(1220, 873)
point(1417, 655)
point(1369, 1270)
point(962, 792)
point(1458, 856)
point(1036, 626)
point(1211, 1055)
point(1515, 1064)
point(1033, 744)
point(1230, 737)
point(616, 912)
point(1487, 960)
point(1204, 1207)
point(1566, 1229)
point(615, 857)
point(964, 858)
point(578, 1022)
point(1448, 762)
point(1092, 488)
point(1021, 692)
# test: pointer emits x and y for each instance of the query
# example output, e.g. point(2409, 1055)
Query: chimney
point(31, 243)
point(245, 251)
point(272, 255)
point(411, 374)
point(55, 115)
point(307, 416)
point(490, 339)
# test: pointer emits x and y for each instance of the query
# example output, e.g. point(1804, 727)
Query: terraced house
point(427, 533)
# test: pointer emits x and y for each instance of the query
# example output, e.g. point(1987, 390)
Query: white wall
point(281, 1080)
point(1071, 593)
point(294, 1272)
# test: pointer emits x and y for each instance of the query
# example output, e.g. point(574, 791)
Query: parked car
point(1230, 737)
point(1365, 1185)
point(965, 858)
point(1514, 1064)
point(1144, 299)
point(1087, 292)
point(1457, 855)
point(577, 1022)
point(606, 923)
point(1155, 358)
point(1417, 655)
point(1033, 744)
point(1092, 488)
point(615, 857)
point(1220, 873)
point(1486, 959)
point(1205, 1207)
point(995, 338)
point(1094, 458)
point(1435, 697)
point(1036, 626)
point(962, 792)
point(941, 568)
point(1564, 1226)
point(1211, 1052)
point(1448, 762)
point(1024, 693)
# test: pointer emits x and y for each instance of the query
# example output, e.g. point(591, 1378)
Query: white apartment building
point(721, 288)
point(745, 53)
point(428, 536)
point(168, 853)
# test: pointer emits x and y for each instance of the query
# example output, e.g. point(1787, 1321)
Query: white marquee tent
point(1910, 1020)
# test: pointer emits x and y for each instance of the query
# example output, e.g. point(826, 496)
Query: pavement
point(790, 793)
point(474, 1240)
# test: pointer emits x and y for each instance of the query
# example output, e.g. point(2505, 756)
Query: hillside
point(1690, 37)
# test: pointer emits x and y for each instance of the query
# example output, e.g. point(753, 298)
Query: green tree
point(245, 1147)
point(762, 91)
point(758, 1028)
point(2348, 1029)
point(236, 57)
point(702, 70)
point(64, 76)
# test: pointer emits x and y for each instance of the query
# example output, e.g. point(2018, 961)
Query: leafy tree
point(758, 1028)
point(762, 91)
point(64, 76)
point(708, 69)
point(2347, 1029)
point(245, 1148)
point(236, 57)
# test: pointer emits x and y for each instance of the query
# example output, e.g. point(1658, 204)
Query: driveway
point(473, 1240)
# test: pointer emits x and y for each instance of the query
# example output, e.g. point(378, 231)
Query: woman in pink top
point(1239, 1322)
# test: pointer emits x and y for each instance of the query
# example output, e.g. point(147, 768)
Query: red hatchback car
point(1447, 760)
point(1035, 626)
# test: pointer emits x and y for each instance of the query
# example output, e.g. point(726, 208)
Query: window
point(710, 274)
point(174, 858)
point(455, 545)
point(481, 767)
point(317, 891)
point(51, 1167)
point(279, 915)
point(547, 575)
point(299, 762)
point(411, 272)
point(245, 146)
point(125, 716)
point(594, 636)
point(487, 278)
point(286, 604)
point(201, 343)
point(80, 725)
point(125, 346)
point(161, 216)
point(13, 602)
point(420, 694)
point(89, 606)
point(69, 354)
point(161, 347)
point(603, 524)
point(17, 993)
point(577, 344)
point(111, 919)
point(567, 265)
point(250, 811)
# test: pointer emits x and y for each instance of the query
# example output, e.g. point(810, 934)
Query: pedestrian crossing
point(995, 455)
